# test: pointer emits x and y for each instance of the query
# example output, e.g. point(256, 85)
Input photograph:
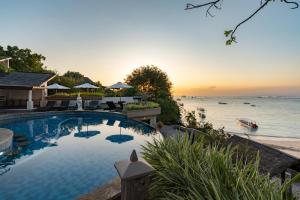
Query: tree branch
point(231, 33)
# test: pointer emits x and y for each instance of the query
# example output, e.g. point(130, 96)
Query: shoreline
point(287, 145)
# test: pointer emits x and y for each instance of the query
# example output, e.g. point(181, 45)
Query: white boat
point(201, 109)
point(202, 115)
point(247, 123)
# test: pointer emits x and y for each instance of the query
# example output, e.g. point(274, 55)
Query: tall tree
point(153, 81)
point(217, 4)
point(150, 80)
point(24, 60)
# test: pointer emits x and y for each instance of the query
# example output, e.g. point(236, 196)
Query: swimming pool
point(64, 156)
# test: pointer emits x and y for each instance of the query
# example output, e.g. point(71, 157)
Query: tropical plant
point(170, 112)
point(202, 171)
point(74, 94)
point(191, 120)
point(152, 82)
point(141, 106)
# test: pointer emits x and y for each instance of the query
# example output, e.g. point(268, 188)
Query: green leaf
point(227, 33)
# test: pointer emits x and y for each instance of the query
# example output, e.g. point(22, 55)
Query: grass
point(141, 106)
point(206, 171)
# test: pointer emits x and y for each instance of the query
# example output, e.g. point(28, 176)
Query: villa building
point(23, 90)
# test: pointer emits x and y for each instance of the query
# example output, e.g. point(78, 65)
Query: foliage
point(217, 4)
point(191, 120)
point(193, 171)
point(150, 80)
point(71, 79)
point(24, 60)
point(129, 92)
point(153, 82)
point(170, 112)
point(3, 68)
point(74, 94)
point(141, 106)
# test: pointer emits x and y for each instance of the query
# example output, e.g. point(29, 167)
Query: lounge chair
point(112, 106)
point(72, 105)
point(121, 103)
point(64, 105)
point(49, 106)
point(93, 105)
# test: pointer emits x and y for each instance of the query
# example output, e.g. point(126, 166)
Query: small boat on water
point(253, 105)
point(178, 99)
point(246, 103)
point(223, 103)
point(201, 109)
point(247, 123)
point(202, 115)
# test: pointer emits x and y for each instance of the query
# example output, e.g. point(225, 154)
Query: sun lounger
point(112, 106)
point(64, 105)
point(49, 106)
point(93, 105)
point(72, 105)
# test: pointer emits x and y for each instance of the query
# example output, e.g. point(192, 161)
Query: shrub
point(191, 120)
point(170, 112)
point(141, 106)
point(74, 94)
point(194, 171)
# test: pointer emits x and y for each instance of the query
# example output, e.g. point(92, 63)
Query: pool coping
point(12, 117)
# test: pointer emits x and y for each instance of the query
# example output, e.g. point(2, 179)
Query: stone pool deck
point(109, 191)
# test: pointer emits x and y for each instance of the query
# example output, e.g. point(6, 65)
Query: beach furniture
point(93, 105)
point(72, 105)
point(49, 106)
point(64, 105)
point(112, 106)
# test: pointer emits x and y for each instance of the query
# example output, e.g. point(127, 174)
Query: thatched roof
point(272, 160)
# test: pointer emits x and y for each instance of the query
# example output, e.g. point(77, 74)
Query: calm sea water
point(275, 116)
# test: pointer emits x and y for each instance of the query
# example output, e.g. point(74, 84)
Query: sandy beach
point(290, 146)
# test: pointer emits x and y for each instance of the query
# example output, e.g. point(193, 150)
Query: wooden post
point(135, 178)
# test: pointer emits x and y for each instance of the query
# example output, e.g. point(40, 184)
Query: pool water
point(62, 157)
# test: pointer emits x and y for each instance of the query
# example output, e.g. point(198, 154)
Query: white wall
point(117, 99)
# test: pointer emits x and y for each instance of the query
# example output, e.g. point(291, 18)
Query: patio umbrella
point(120, 85)
point(56, 86)
point(86, 86)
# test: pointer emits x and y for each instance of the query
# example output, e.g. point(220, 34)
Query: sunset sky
point(107, 39)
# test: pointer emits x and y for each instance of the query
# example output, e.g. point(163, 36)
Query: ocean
point(275, 116)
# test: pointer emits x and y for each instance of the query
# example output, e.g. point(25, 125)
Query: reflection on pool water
point(65, 156)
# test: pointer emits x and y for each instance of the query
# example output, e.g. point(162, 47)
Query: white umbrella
point(120, 85)
point(56, 86)
point(86, 86)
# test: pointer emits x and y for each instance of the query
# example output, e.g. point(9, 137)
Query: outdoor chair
point(93, 105)
point(49, 106)
point(64, 105)
point(112, 106)
point(72, 105)
point(121, 103)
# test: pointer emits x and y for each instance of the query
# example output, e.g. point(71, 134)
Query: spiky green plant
point(204, 171)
